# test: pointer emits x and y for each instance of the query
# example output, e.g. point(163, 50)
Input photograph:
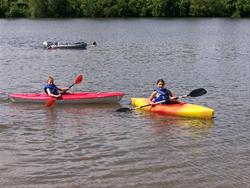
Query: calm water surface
point(73, 146)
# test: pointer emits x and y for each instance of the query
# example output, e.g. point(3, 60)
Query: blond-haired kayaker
point(52, 90)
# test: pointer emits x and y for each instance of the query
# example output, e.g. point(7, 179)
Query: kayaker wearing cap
point(161, 94)
point(52, 90)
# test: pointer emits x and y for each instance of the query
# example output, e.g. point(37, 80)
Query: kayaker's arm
point(52, 95)
point(63, 89)
point(172, 97)
point(151, 97)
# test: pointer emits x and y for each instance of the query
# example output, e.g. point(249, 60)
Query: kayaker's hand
point(174, 98)
point(59, 95)
point(151, 103)
point(65, 89)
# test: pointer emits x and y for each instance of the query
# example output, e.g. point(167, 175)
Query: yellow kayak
point(181, 109)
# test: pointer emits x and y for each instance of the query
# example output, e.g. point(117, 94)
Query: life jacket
point(52, 87)
point(162, 95)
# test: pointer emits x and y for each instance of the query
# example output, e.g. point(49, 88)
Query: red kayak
point(69, 98)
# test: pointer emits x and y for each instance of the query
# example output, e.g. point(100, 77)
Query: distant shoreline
point(125, 9)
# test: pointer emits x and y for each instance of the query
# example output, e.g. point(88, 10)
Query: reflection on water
point(191, 127)
point(198, 123)
point(3, 126)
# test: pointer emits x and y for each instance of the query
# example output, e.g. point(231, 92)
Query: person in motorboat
point(94, 44)
point(162, 94)
point(52, 90)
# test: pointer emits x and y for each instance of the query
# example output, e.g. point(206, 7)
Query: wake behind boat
point(68, 98)
point(57, 45)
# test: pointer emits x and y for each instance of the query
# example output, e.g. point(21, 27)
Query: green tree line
point(123, 8)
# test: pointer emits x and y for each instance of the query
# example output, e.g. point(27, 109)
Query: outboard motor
point(47, 44)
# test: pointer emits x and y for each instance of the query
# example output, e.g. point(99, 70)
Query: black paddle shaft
point(71, 86)
point(138, 107)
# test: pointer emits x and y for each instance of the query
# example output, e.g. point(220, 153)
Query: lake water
point(73, 146)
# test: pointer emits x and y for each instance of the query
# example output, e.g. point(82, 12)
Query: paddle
point(138, 107)
point(194, 93)
point(78, 80)
point(52, 101)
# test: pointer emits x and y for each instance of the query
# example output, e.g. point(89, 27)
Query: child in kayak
point(52, 90)
point(162, 94)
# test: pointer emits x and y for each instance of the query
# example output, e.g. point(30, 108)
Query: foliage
point(10, 8)
point(243, 7)
point(124, 8)
point(184, 8)
point(211, 8)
